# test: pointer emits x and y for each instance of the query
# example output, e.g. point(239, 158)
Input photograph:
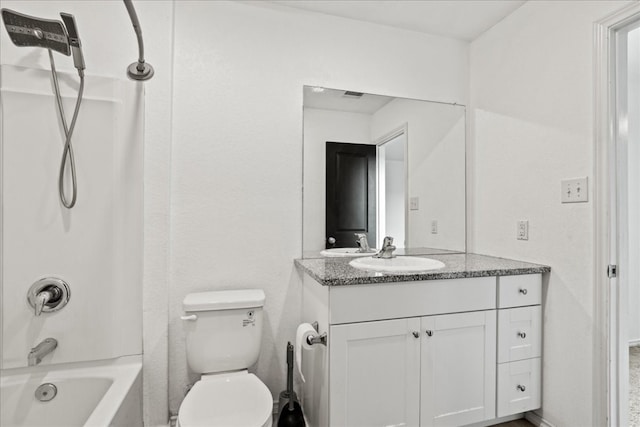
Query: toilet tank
point(223, 329)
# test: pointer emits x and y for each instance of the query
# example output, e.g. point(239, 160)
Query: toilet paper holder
point(318, 339)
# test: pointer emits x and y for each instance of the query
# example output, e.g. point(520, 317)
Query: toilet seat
point(233, 400)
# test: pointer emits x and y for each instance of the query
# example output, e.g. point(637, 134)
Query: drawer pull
point(521, 387)
point(416, 334)
point(523, 291)
point(522, 335)
point(429, 332)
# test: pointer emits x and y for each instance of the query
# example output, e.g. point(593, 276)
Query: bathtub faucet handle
point(41, 300)
point(48, 295)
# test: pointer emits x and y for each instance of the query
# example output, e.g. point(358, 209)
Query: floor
point(516, 423)
point(634, 389)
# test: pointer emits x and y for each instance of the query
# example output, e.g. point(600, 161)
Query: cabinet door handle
point(416, 334)
point(429, 332)
point(521, 387)
point(522, 335)
point(523, 291)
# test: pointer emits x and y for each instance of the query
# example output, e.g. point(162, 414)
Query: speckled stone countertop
point(338, 272)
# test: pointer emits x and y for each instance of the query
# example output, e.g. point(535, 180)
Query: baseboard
point(535, 419)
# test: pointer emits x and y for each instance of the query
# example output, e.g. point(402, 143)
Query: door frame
point(610, 393)
point(400, 130)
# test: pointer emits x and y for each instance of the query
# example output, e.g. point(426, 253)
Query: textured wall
point(532, 116)
point(236, 196)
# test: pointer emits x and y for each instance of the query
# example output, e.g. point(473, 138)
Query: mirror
point(382, 166)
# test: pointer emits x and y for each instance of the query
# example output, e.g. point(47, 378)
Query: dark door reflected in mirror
point(351, 193)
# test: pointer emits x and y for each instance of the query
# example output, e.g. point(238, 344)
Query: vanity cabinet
point(444, 352)
point(424, 371)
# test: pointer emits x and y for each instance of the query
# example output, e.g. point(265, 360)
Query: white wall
point(321, 126)
point(237, 147)
point(109, 46)
point(633, 50)
point(532, 117)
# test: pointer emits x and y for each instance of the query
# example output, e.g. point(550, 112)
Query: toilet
point(223, 330)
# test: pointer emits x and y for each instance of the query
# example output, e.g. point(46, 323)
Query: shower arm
point(138, 70)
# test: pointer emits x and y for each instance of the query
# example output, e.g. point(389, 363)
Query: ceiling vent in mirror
point(351, 94)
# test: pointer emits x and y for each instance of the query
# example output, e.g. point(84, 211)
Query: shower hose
point(67, 152)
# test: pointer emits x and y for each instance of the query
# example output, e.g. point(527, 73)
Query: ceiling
point(460, 19)
point(332, 99)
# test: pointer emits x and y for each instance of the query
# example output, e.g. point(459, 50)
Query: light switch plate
point(575, 190)
point(414, 203)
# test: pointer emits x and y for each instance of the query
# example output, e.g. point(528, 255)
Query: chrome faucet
point(387, 249)
point(48, 295)
point(41, 350)
point(362, 243)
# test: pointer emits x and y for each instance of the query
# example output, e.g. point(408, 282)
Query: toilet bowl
point(223, 330)
point(229, 400)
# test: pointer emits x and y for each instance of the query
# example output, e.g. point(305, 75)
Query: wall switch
point(523, 230)
point(414, 203)
point(434, 226)
point(575, 190)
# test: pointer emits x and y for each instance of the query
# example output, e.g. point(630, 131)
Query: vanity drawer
point(519, 386)
point(362, 303)
point(519, 333)
point(515, 291)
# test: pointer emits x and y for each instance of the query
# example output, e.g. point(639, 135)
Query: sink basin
point(345, 252)
point(401, 264)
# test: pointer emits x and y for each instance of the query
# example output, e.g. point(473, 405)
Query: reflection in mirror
point(382, 166)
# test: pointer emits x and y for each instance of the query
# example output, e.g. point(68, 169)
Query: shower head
point(140, 70)
point(74, 40)
point(25, 30)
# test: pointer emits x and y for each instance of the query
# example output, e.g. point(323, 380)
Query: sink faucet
point(387, 249)
point(362, 242)
point(41, 350)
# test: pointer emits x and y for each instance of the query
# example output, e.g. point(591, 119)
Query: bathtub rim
point(123, 371)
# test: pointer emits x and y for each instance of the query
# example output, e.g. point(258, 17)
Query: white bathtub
point(92, 394)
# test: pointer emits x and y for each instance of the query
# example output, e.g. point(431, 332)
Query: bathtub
point(92, 394)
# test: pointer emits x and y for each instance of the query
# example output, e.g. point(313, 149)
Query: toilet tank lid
point(223, 300)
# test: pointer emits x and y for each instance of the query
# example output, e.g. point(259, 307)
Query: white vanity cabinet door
point(519, 333)
point(458, 368)
point(375, 373)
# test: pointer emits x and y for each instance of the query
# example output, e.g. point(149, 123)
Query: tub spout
point(41, 350)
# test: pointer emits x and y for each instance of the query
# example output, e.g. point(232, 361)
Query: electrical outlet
point(414, 203)
point(575, 190)
point(434, 226)
point(523, 230)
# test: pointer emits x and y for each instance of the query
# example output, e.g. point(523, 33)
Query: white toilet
point(223, 331)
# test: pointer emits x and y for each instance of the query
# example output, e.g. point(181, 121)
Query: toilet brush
point(290, 409)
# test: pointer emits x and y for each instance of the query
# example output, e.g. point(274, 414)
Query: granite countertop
point(338, 272)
